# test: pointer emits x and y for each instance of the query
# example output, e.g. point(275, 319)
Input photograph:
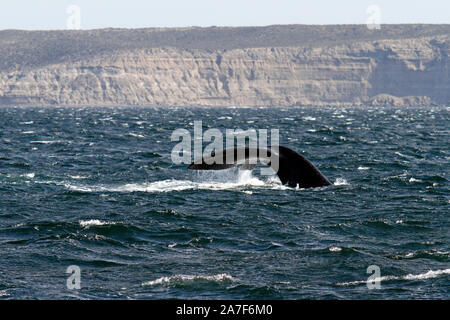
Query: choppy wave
point(136, 135)
point(88, 187)
point(424, 254)
point(340, 182)
point(94, 222)
point(78, 177)
point(244, 179)
point(47, 141)
point(169, 185)
point(180, 279)
point(422, 276)
point(209, 181)
point(28, 175)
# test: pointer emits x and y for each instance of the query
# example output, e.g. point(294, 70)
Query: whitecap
point(229, 181)
point(400, 154)
point(94, 222)
point(45, 141)
point(428, 275)
point(363, 168)
point(335, 249)
point(340, 182)
point(161, 186)
point(422, 276)
point(179, 278)
point(76, 177)
point(136, 135)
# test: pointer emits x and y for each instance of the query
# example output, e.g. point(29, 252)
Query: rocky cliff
point(267, 66)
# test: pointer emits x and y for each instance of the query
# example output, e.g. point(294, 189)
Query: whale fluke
point(293, 169)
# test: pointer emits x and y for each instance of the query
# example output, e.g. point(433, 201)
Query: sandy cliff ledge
point(399, 69)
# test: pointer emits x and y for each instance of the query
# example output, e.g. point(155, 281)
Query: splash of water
point(204, 180)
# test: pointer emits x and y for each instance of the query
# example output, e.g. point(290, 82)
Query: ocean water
point(96, 188)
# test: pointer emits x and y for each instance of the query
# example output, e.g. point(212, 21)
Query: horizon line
point(225, 26)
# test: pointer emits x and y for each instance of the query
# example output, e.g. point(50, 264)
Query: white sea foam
point(159, 186)
point(412, 255)
point(94, 222)
point(422, 276)
point(78, 177)
point(136, 135)
point(427, 275)
point(400, 154)
point(46, 141)
point(243, 180)
point(363, 168)
point(179, 278)
point(340, 182)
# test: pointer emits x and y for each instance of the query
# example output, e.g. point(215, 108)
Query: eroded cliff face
point(393, 72)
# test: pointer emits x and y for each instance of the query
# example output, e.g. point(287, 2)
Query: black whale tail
point(293, 169)
point(297, 171)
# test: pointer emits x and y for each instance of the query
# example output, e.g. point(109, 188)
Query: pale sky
point(53, 14)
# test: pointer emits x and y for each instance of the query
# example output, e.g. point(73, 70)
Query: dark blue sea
point(96, 188)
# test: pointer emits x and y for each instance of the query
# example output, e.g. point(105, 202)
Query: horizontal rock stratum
point(219, 66)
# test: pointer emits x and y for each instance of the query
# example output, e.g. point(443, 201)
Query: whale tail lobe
point(292, 169)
